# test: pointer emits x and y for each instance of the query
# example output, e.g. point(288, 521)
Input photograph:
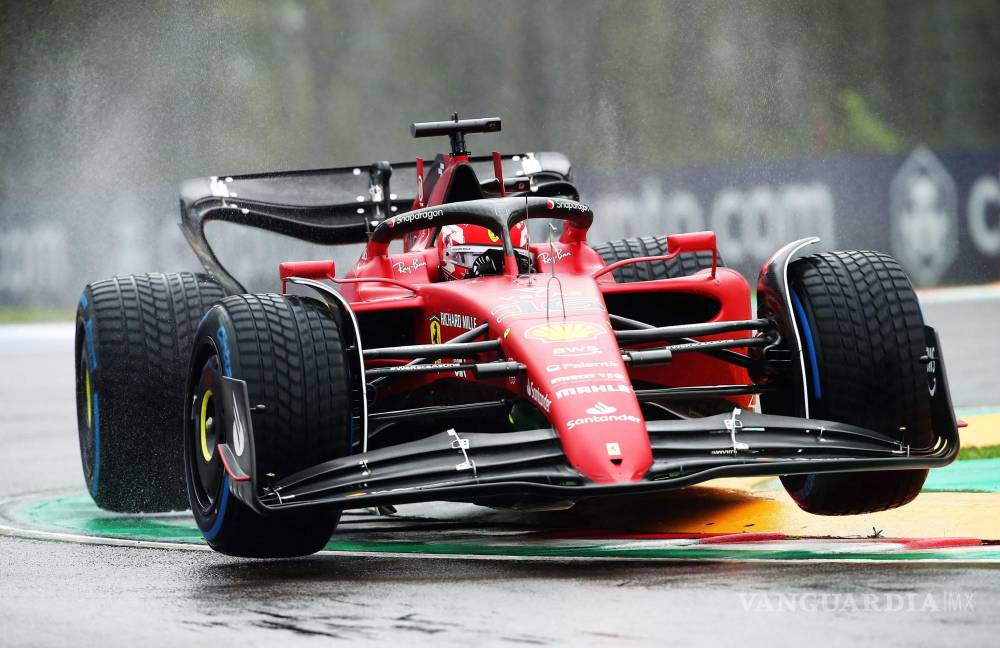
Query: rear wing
point(338, 206)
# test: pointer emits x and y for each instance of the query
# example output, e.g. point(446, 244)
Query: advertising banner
point(937, 212)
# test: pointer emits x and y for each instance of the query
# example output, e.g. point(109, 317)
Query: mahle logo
point(564, 332)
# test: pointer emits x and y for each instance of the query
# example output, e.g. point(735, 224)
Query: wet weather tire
point(133, 342)
point(863, 338)
point(682, 265)
point(290, 353)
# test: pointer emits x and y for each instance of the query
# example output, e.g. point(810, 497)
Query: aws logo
point(564, 332)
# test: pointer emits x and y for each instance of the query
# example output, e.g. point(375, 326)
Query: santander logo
point(602, 413)
point(600, 409)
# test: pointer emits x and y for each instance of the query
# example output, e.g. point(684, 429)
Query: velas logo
point(564, 332)
point(600, 408)
point(591, 377)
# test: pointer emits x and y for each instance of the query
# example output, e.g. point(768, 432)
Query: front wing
point(531, 465)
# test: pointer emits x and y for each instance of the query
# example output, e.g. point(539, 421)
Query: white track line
point(958, 294)
point(6, 530)
point(57, 336)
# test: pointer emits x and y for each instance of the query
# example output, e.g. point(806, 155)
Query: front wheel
point(133, 336)
point(863, 338)
point(290, 353)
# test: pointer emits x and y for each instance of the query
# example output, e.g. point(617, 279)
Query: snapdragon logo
point(414, 216)
point(566, 204)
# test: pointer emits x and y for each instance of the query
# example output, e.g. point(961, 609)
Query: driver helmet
point(469, 251)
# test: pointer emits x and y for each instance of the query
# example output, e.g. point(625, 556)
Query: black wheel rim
point(206, 425)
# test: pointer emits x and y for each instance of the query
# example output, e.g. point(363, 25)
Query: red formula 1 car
point(476, 364)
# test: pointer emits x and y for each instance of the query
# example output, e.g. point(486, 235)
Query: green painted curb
point(77, 514)
point(968, 476)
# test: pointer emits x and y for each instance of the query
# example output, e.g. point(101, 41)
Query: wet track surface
point(56, 593)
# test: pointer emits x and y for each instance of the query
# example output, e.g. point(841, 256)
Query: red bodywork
point(575, 373)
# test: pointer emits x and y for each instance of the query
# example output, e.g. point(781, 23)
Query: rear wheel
point(291, 355)
point(133, 339)
point(684, 264)
point(863, 337)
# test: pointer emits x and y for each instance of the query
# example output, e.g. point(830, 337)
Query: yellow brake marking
point(90, 405)
point(204, 410)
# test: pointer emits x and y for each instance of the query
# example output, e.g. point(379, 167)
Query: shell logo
point(493, 237)
point(564, 332)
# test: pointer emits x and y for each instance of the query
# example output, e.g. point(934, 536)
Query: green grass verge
point(17, 315)
point(986, 452)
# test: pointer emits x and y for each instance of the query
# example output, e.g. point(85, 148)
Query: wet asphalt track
point(54, 593)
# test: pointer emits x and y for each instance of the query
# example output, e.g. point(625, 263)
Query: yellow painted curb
point(974, 515)
point(710, 509)
point(983, 430)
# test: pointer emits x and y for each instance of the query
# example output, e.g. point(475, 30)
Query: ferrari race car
point(460, 360)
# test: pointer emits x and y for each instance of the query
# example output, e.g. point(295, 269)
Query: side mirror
point(694, 242)
point(306, 270)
